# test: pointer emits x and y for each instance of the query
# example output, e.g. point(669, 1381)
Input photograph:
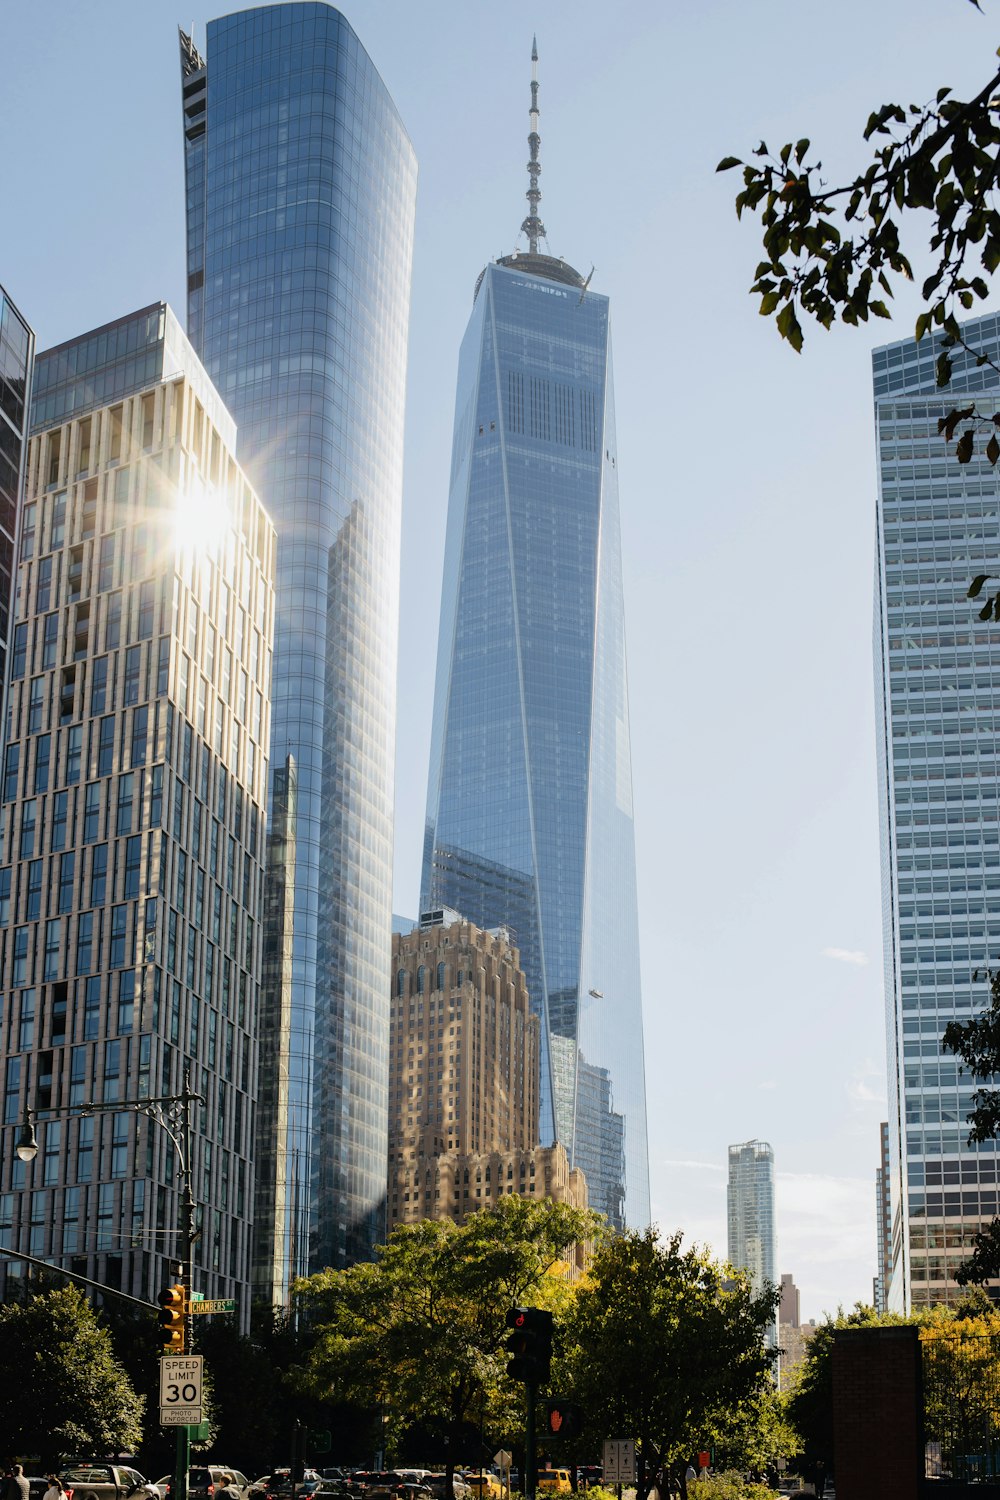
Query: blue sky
point(747, 487)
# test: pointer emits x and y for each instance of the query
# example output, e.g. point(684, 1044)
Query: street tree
point(420, 1333)
point(666, 1345)
point(977, 1043)
point(835, 253)
point(62, 1390)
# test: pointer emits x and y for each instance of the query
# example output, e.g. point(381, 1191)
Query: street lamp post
point(172, 1112)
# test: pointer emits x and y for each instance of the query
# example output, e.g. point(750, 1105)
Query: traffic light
point(563, 1419)
point(173, 1310)
point(530, 1344)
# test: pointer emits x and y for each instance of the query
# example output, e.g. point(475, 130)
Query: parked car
point(554, 1482)
point(435, 1483)
point(107, 1482)
point(484, 1485)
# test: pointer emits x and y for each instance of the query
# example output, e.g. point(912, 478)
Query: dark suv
point(203, 1482)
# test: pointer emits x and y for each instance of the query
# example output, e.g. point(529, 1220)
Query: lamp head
point(27, 1144)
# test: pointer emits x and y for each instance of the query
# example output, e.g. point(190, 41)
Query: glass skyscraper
point(17, 351)
point(300, 200)
point(529, 814)
point(939, 801)
point(750, 1216)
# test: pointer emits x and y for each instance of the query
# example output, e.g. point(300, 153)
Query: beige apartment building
point(464, 1078)
point(134, 801)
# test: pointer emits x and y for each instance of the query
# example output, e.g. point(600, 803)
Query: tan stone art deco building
point(464, 1078)
point(133, 827)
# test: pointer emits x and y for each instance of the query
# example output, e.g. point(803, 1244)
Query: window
point(106, 746)
point(112, 1080)
point(124, 820)
point(106, 565)
point(162, 666)
point(156, 798)
point(85, 951)
point(133, 667)
point(19, 967)
point(85, 1137)
point(36, 706)
point(126, 1001)
point(119, 923)
point(26, 1022)
point(421, 980)
point(11, 762)
point(99, 875)
point(147, 598)
point(133, 866)
point(113, 622)
point(60, 819)
point(58, 532)
point(43, 753)
point(29, 813)
point(43, 586)
point(33, 898)
point(140, 723)
point(67, 874)
point(99, 686)
point(50, 640)
point(53, 940)
point(29, 520)
point(92, 812)
point(5, 882)
point(20, 652)
point(74, 742)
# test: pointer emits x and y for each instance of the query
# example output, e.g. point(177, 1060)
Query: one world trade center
point(529, 809)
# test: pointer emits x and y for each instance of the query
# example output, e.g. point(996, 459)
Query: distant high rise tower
point(134, 790)
point(300, 201)
point(17, 351)
point(529, 807)
point(939, 773)
point(750, 1203)
point(883, 1223)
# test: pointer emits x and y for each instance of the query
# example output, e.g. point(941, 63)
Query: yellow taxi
point(484, 1485)
point(554, 1482)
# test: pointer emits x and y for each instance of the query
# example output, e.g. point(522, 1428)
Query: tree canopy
point(667, 1346)
point(835, 253)
point(63, 1392)
point(421, 1332)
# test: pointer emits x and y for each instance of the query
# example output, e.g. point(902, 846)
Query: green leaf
point(993, 449)
point(801, 147)
point(879, 309)
point(727, 162)
point(986, 611)
point(963, 448)
point(942, 370)
point(976, 587)
point(923, 323)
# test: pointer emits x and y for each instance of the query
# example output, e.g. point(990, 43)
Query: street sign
point(181, 1377)
point(219, 1305)
point(619, 1461)
point(503, 1459)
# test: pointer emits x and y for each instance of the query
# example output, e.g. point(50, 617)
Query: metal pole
point(187, 1235)
point(530, 1456)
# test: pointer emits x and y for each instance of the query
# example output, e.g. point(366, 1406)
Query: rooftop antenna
point(533, 226)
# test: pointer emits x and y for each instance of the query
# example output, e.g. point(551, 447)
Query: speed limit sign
point(180, 1389)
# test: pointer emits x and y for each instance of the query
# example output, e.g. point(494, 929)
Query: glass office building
point(132, 838)
point(300, 200)
point(529, 812)
point(17, 349)
point(939, 802)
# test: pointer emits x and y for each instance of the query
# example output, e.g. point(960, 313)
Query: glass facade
point(939, 779)
point(300, 199)
point(750, 1216)
point(17, 348)
point(529, 819)
point(132, 836)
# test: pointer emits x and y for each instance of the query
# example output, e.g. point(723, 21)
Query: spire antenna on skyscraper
point(533, 226)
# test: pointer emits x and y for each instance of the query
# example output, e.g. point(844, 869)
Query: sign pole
point(530, 1456)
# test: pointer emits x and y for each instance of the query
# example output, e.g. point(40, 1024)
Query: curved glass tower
point(300, 198)
point(529, 810)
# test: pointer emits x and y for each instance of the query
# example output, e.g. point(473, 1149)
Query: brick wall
point(877, 1414)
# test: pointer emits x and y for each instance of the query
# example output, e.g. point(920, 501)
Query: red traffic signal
point(563, 1418)
point(173, 1310)
point(530, 1344)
